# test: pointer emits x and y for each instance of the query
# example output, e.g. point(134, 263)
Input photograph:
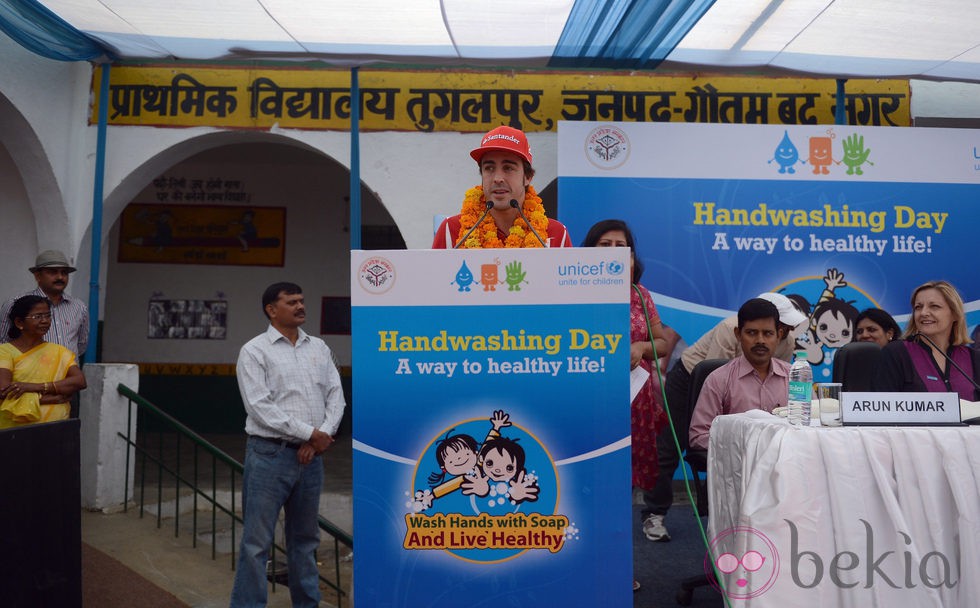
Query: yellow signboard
point(474, 101)
point(203, 234)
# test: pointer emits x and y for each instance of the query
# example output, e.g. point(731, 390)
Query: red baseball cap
point(507, 139)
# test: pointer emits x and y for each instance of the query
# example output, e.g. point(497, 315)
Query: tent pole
point(97, 193)
point(355, 161)
point(840, 115)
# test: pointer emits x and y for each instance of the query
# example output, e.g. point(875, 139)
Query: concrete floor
point(166, 555)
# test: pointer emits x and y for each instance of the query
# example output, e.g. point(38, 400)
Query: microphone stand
point(949, 359)
point(478, 222)
point(516, 205)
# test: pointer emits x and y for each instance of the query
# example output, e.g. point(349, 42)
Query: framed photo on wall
point(187, 319)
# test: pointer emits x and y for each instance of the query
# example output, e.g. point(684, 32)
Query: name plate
point(900, 408)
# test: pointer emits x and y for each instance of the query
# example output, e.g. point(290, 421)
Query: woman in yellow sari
point(37, 378)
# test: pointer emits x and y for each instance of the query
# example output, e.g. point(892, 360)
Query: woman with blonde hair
point(934, 354)
point(37, 378)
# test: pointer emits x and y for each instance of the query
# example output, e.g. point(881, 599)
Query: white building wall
point(16, 227)
point(311, 188)
point(42, 117)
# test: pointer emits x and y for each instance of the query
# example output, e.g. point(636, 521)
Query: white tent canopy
point(933, 39)
point(937, 39)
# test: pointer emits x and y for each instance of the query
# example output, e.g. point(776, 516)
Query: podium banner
point(491, 427)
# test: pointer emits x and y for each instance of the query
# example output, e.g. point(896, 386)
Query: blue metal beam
point(355, 161)
point(96, 228)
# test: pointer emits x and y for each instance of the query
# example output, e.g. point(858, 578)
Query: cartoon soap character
point(464, 277)
point(458, 458)
point(786, 155)
point(855, 154)
point(515, 276)
point(502, 474)
point(821, 154)
point(489, 276)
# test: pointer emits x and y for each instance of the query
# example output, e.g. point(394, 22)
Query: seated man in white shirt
point(754, 380)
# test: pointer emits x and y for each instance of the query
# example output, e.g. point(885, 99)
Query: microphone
point(478, 222)
point(969, 377)
point(516, 205)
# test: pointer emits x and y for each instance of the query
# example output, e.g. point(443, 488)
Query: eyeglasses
point(751, 561)
point(39, 316)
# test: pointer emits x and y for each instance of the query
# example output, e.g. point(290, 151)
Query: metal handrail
point(339, 536)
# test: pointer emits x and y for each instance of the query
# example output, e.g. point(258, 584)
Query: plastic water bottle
point(800, 390)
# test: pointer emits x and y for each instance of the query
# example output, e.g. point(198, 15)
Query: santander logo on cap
point(504, 138)
point(494, 136)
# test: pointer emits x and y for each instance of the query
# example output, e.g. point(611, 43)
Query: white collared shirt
point(288, 389)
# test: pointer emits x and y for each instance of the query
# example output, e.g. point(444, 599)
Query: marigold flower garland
point(485, 237)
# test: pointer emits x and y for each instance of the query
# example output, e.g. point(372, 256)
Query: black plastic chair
point(854, 365)
point(698, 459)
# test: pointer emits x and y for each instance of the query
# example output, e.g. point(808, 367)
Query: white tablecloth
point(846, 516)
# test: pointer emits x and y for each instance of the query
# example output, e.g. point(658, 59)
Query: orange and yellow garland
point(485, 237)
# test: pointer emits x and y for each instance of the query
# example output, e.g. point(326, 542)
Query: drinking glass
point(828, 397)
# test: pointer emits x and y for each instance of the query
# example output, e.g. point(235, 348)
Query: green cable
point(677, 445)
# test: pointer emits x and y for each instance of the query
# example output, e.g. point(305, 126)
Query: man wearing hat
point(504, 211)
point(721, 342)
point(69, 316)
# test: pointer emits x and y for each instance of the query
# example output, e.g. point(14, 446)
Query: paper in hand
point(638, 377)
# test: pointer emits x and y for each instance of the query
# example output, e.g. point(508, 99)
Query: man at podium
point(504, 211)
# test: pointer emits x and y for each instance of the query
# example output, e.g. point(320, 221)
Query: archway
point(183, 308)
point(31, 197)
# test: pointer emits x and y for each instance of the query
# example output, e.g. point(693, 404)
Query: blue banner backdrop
point(723, 212)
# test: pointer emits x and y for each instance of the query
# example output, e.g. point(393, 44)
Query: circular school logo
point(485, 490)
point(376, 275)
point(607, 147)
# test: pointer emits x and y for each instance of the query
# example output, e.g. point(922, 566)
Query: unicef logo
point(607, 147)
point(615, 268)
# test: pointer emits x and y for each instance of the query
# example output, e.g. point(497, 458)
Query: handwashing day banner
point(491, 427)
point(838, 218)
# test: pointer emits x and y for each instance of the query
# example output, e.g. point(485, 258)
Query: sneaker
point(654, 529)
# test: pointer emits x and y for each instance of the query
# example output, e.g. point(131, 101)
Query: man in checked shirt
point(69, 315)
point(294, 401)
